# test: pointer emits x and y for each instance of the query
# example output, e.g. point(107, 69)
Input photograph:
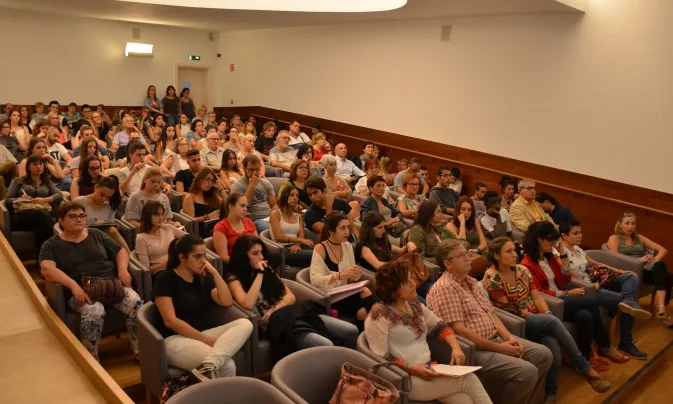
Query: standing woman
point(177, 160)
point(100, 207)
point(186, 105)
point(154, 237)
point(183, 127)
point(335, 184)
point(17, 129)
point(34, 187)
point(233, 226)
point(203, 201)
point(299, 173)
point(465, 226)
point(171, 106)
point(429, 230)
point(152, 102)
point(512, 288)
point(333, 265)
point(626, 241)
point(230, 171)
point(25, 118)
point(91, 171)
point(196, 134)
point(287, 227)
point(410, 200)
point(184, 294)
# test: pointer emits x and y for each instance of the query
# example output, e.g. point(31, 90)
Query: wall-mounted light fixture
point(138, 49)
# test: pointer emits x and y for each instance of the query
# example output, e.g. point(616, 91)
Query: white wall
point(590, 94)
point(82, 60)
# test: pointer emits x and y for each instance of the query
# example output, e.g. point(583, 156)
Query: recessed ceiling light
point(324, 6)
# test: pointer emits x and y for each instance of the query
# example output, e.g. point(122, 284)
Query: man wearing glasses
point(258, 191)
point(525, 210)
point(211, 155)
point(282, 156)
point(442, 194)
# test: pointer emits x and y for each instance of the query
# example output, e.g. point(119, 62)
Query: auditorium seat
point(230, 390)
point(23, 242)
point(278, 255)
point(621, 261)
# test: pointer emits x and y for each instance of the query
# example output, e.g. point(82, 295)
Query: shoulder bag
point(419, 272)
point(360, 386)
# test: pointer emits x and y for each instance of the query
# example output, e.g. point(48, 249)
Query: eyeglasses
point(528, 188)
point(414, 184)
point(74, 216)
point(460, 256)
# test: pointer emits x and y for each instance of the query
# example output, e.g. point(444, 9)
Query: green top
point(426, 242)
point(637, 249)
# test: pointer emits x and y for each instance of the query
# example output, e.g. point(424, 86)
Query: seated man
point(131, 176)
point(478, 197)
point(512, 369)
point(525, 210)
point(283, 155)
point(80, 251)
point(184, 178)
point(442, 194)
point(211, 154)
point(323, 203)
point(258, 191)
point(60, 154)
point(9, 141)
point(123, 138)
point(414, 167)
point(558, 213)
point(346, 168)
point(456, 184)
point(495, 220)
point(265, 143)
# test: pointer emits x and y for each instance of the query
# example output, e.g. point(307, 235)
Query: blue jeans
point(262, 224)
point(64, 183)
point(345, 333)
point(584, 312)
point(549, 331)
point(301, 258)
point(625, 289)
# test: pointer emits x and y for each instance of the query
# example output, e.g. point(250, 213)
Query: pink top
point(224, 227)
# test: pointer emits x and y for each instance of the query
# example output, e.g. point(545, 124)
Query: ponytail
point(181, 246)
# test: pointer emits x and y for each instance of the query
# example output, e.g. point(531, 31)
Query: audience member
point(131, 176)
point(287, 227)
point(201, 115)
point(371, 168)
point(615, 289)
point(385, 165)
point(100, 207)
point(152, 102)
point(478, 197)
point(211, 156)
point(122, 138)
point(19, 130)
point(299, 173)
point(154, 132)
point(551, 275)
point(511, 288)
point(56, 120)
point(264, 144)
point(402, 164)
point(91, 173)
point(414, 168)
point(495, 222)
point(101, 129)
point(442, 193)
point(410, 200)
point(10, 142)
point(6, 110)
point(525, 211)
point(150, 190)
point(512, 369)
point(323, 203)
point(257, 190)
point(176, 159)
point(558, 213)
point(197, 133)
point(184, 178)
point(344, 167)
point(377, 203)
point(232, 144)
point(155, 236)
point(246, 147)
point(282, 155)
point(8, 170)
point(367, 154)
point(184, 294)
point(79, 254)
point(508, 190)
point(230, 170)
point(31, 198)
point(423, 172)
point(297, 138)
point(25, 118)
point(183, 127)
point(305, 152)
point(171, 108)
point(337, 185)
point(203, 201)
point(397, 329)
point(429, 229)
point(320, 146)
point(465, 226)
point(627, 241)
point(88, 147)
point(71, 115)
point(233, 225)
point(38, 147)
point(455, 184)
point(38, 115)
point(222, 129)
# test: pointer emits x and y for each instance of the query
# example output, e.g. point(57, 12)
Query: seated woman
point(77, 252)
point(154, 237)
point(410, 200)
point(464, 225)
point(246, 147)
point(305, 152)
point(177, 160)
point(100, 207)
point(256, 287)
point(20, 131)
point(299, 173)
point(169, 138)
point(31, 198)
point(335, 185)
point(230, 170)
point(197, 133)
point(203, 201)
point(626, 241)
point(232, 142)
point(87, 148)
point(512, 288)
point(320, 146)
point(183, 127)
point(397, 329)
point(90, 173)
point(508, 190)
point(377, 203)
point(232, 226)
point(333, 265)
point(550, 275)
point(150, 190)
point(287, 227)
point(371, 168)
point(614, 288)
point(184, 294)
point(38, 147)
point(429, 230)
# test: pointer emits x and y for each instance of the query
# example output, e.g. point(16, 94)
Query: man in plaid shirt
point(513, 369)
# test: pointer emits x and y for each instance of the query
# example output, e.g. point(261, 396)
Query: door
point(198, 80)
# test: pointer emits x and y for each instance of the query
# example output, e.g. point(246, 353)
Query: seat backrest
point(266, 234)
point(230, 390)
point(304, 276)
point(57, 229)
point(209, 244)
point(277, 183)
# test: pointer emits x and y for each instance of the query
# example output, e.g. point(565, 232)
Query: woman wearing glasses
point(410, 200)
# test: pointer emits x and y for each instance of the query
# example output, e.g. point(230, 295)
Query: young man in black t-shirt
point(322, 204)
point(184, 178)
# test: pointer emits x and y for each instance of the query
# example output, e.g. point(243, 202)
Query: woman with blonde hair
point(152, 102)
point(335, 184)
point(628, 242)
point(385, 164)
point(246, 147)
point(249, 129)
point(201, 114)
point(320, 146)
point(150, 190)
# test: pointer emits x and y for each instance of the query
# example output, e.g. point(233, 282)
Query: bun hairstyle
point(332, 221)
point(495, 246)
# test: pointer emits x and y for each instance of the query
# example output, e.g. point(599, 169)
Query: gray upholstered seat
point(230, 390)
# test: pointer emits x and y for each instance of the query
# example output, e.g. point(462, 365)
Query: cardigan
point(371, 204)
point(540, 278)
point(321, 275)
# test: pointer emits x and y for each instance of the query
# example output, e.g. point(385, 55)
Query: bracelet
point(204, 340)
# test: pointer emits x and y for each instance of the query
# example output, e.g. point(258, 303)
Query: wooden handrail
point(605, 198)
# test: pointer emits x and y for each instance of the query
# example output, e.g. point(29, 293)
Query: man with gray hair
point(512, 369)
point(525, 210)
point(282, 155)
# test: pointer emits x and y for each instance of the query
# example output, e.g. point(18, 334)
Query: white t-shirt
point(136, 181)
point(489, 222)
point(57, 151)
point(301, 138)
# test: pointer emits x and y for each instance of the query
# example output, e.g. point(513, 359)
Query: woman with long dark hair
point(374, 249)
point(429, 229)
point(203, 201)
point(464, 225)
point(38, 147)
point(508, 191)
point(196, 134)
point(230, 171)
point(169, 136)
point(287, 227)
point(25, 118)
point(154, 237)
point(186, 105)
point(90, 170)
point(171, 106)
point(299, 173)
point(184, 294)
point(88, 147)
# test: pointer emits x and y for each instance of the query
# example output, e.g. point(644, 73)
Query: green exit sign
point(194, 57)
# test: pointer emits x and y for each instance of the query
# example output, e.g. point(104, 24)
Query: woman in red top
point(233, 226)
point(320, 146)
point(550, 275)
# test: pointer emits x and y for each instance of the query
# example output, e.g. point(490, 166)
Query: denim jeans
point(301, 258)
point(549, 331)
point(584, 312)
point(625, 289)
point(262, 224)
point(345, 333)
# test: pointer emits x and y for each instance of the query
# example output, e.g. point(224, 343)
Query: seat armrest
point(616, 260)
point(128, 233)
point(368, 275)
point(302, 292)
point(6, 220)
point(136, 272)
point(515, 324)
point(191, 225)
point(56, 298)
point(555, 305)
point(589, 288)
point(153, 358)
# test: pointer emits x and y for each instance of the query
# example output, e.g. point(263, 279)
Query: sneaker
point(631, 350)
point(636, 313)
point(205, 372)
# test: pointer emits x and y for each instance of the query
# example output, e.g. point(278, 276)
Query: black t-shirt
point(191, 301)
point(186, 177)
point(170, 105)
point(363, 262)
point(315, 214)
point(264, 144)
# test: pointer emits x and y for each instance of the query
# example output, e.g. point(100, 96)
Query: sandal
point(621, 359)
point(599, 384)
point(662, 314)
point(598, 364)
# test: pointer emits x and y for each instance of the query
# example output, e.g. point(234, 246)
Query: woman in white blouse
point(397, 328)
point(333, 265)
point(287, 227)
point(154, 237)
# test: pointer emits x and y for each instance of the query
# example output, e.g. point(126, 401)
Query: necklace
point(332, 242)
point(404, 310)
point(333, 252)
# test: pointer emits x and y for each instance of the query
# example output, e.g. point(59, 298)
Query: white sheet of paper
point(455, 370)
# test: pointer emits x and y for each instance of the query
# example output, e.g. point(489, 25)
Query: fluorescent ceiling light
point(320, 6)
point(138, 49)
